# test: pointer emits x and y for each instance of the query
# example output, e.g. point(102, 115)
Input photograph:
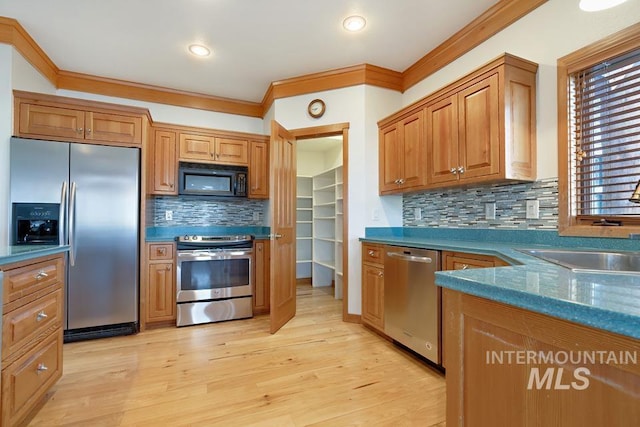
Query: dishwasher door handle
point(411, 258)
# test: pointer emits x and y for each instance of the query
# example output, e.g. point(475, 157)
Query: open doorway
point(320, 213)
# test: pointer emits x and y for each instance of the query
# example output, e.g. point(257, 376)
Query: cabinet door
point(391, 159)
point(261, 277)
point(164, 163)
point(442, 140)
point(479, 124)
point(373, 296)
point(40, 120)
point(463, 261)
point(161, 298)
point(232, 151)
point(259, 170)
point(196, 147)
point(113, 128)
point(411, 131)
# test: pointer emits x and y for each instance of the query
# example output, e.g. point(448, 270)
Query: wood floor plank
point(316, 371)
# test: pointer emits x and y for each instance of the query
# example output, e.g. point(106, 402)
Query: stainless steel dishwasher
point(412, 300)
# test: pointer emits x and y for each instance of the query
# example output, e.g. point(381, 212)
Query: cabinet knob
point(464, 266)
point(168, 268)
point(380, 274)
point(371, 253)
point(171, 185)
point(454, 171)
point(402, 181)
point(80, 130)
point(461, 169)
point(41, 368)
point(41, 275)
point(41, 316)
point(88, 130)
point(212, 155)
point(162, 251)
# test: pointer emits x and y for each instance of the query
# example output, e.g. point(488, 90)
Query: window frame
point(614, 45)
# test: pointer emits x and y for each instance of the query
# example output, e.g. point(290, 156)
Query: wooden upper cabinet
point(214, 149)
point(64, 119)
point(104, 127)
point(442, 140)
point(479, 136)
point(402, 154)
point(197, 147)
point(45, 121)
point(258, 170)
point(163, 167)
point(481, 128)
point(232, 151)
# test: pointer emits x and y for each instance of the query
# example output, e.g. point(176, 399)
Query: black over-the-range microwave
point(199, 179)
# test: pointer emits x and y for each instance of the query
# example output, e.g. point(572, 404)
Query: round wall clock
point(316, 108)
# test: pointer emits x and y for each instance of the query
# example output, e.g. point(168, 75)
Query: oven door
point(213, 274)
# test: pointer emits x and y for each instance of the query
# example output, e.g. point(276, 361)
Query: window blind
point(605, 124)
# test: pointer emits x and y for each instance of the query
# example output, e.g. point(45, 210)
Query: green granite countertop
point(11, 254)
point(601, 300)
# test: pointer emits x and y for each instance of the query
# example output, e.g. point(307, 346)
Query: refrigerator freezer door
point(38, 170)
point(103, 284)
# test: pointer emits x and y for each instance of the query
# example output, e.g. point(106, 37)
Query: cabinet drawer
point(373, 253)
point(26, 380)
point(160, 251)
point(31, 278)
point(25, 324)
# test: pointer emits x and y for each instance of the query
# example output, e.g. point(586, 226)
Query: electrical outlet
point(490, 211)
point(168, 215)
point(533, 209)
point(417, 213)
point(256, 216)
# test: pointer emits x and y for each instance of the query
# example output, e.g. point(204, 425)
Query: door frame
point(332, 130)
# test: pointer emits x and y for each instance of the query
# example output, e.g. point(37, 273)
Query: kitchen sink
point(590, 261)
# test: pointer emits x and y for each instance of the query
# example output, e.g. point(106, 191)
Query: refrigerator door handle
point(72, 225)
point(62, 223)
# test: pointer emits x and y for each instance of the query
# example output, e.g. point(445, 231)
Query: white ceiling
point(254, 42)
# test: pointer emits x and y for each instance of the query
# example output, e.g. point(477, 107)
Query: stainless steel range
point(214, 278)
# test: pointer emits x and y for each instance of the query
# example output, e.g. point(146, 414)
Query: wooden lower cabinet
point(261, 281)
point(31, 334)
point(507, 366)
point(161, 283)
point(373, 286)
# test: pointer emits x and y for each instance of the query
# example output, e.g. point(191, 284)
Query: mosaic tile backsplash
point(465, 207)
point(200, 211)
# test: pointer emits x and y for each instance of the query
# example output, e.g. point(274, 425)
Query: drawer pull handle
point(41, 316)
point(41, 275)
point(42, 368)
point(371, 253)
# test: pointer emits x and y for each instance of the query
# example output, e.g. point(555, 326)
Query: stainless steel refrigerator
point(98, 190)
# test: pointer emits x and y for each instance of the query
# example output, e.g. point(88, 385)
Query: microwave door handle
point(62, 218)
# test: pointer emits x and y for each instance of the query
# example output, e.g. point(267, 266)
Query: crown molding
point(492, 21)
point(12, 33)
point(333, 79)
point(143, 92)
point(496, 18)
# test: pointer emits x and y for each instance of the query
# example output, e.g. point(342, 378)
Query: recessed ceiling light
point(199, 50)
point(596, 5)
point(354, 23)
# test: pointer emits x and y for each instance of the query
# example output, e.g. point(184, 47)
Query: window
point(599, 137)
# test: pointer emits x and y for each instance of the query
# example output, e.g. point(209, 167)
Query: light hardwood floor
point(316, 371)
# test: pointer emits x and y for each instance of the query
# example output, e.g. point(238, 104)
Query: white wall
point(27, 78)
point(555, 29)
point(360, 106)
point(6, 108)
